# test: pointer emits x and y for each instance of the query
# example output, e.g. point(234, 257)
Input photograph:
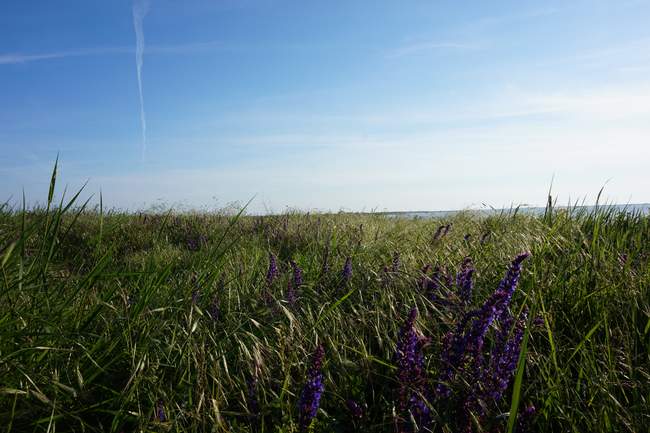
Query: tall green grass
point(103, 314)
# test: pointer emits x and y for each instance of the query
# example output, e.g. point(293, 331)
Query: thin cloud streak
point(17, 58)
point(473, 28)
point(598, 103)
point(140, 9)
point(189, 48)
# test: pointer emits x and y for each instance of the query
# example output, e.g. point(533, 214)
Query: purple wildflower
point(396, 262)
point(455, 348)
point(406, 358)
point(433, 285)
point(312, 391)
point(502, 296)
point(525, 418)
point(252, 402)
point(425, 279)
point(464, 281)
point(411, 379)
point(464, 347)
point(213, 310)
point(292, 294)
point(193, 244)
point(347, 271)
point(475, 337)
point(297, 274)
point(385, 276)
point(448, 362)
point(463, 351)
point(160, 411)
point(420, 411)
point(356, 410)
point(504, 357)
point(272, 272)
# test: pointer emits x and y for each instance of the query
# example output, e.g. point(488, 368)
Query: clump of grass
point(161, 322)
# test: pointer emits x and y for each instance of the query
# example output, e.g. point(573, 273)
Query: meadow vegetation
point(219, 322)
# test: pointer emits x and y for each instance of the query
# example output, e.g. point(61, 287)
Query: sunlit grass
point(106, 316)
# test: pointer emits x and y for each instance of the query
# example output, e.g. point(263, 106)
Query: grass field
point(117, 322)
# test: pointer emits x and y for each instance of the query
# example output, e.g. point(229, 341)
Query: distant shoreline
point(643, 208)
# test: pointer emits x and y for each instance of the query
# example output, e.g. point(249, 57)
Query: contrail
point(140, 9)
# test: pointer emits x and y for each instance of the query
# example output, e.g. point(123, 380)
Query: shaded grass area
point(109, 318)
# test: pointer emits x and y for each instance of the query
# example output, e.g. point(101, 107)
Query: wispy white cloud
point(140, 10)
point(521, 104)
point(9, 59)
point(471, 30)
point(14, 58)
point(626, 56)
point(437, 168)
point(188, 48)
point(494, 164)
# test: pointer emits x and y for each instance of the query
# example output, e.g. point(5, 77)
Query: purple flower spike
point(449, 361)
point(292, 294)
point(312, 391)
point(272, 273)
point(433, 285)
point(502, 296)
point(384, 277)
point(525, 419)
point(347, 270)
point(406, 358)
point(411, 378)
point(297, 274)
point(356, 410)
point(464, 281)
point(160, 411)
point(253, 403)
point(463, 349)
point(213, 310)
point(420, 411)
point(503, 358)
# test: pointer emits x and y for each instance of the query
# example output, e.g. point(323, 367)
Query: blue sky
point(356, 105)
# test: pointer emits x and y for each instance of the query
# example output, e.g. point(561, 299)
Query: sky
point(365, 105)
